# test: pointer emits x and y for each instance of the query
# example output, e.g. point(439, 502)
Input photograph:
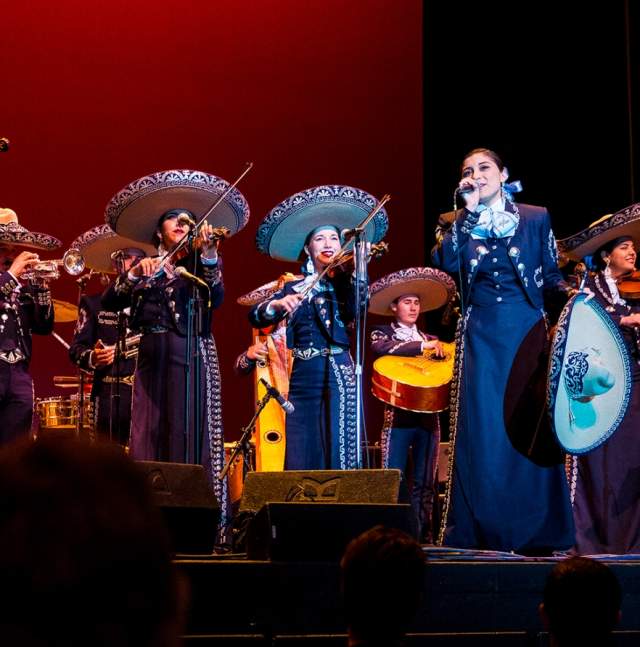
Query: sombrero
point(282, 233)
point(134, 211)
point(98, 243)
point(13, 233)
point(267, 290)
point(589, 383)
point(622, 223)
point(434, 287)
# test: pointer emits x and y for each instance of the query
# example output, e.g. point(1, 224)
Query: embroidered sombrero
point(282, 233)
point(134, 211)
point(13, 233)
point(589, 383)
point(267, 290)
point(622, 223)
point(98, 243)
point(434, 287)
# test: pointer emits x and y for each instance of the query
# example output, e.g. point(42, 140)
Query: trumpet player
point(100, 338)
point(25, 308)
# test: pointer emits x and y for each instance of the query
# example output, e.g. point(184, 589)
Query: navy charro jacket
point(532, 251)
point(320, 322)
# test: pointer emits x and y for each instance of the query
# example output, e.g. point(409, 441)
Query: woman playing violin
point(159, 299)
point(606, 480)
point(321, 430)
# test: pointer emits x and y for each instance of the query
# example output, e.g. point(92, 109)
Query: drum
point(62, 413)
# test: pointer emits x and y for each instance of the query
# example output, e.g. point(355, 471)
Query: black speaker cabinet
point(187, 502)
point(322, 486)
point(318, 531)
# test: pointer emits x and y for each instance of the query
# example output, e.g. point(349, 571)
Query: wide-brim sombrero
point(625, 222)
point(98, 243)
point(434, 288)
point(283, 232)
point(586, 334)
point(267, 290)
point(13, 233)
point(135, 210)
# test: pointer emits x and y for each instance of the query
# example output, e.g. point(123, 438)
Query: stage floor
point(472, 598)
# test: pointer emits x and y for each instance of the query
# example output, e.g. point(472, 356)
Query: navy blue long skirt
point(497, 499)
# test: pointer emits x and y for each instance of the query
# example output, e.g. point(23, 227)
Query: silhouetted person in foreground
point(84, 555)
point(581, 607)
point(382, 581)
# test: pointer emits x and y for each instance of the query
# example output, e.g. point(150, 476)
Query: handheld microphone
point(465, 188)
point(183, 219)
point(4, 144)
point(274, 393)
point(181, 271)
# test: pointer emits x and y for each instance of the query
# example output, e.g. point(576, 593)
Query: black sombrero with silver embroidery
point(13, 233)
point(98, 244)
point(625, 222)
point(434, 288)
point(134, 211)
point(283, 232)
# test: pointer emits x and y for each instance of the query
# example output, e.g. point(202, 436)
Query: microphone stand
point(362, 290)
point(192, 444)
point(244, 445)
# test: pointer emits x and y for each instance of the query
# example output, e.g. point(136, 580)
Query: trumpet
point(41, 272)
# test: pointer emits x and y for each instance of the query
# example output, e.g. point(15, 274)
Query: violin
point(377, 250)
point(629, 285)
point(218, 233)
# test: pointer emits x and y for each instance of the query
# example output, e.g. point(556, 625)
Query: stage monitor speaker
point(318, 531)
point(322, 486)
point(188, 504)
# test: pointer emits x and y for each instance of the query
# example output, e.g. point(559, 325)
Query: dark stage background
point(96, 95)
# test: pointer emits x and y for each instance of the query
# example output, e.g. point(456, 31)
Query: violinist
point(321, 431)
point(606, 480)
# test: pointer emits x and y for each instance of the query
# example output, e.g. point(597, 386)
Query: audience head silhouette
point(581, 604)
point(382, 582)
point(84, 554)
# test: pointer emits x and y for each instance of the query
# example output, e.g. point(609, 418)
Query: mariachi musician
point(100, 333)
point(605, 482)
point(321, 431)
point(408, 433)
point(177, 412)
point(25, 308)
point(268, 359)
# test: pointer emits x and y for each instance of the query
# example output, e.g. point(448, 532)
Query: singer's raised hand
point(469, 190)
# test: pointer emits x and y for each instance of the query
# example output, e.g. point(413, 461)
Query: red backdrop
point(98, 94)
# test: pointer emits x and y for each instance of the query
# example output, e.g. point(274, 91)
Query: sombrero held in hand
point(434, 288)
point(135, 210)
point(283, 232)
point(625, 222)
point(13, 233)
point(98, 244)
point(267, 290)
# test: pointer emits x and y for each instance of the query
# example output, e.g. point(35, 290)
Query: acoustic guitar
point(418, 384)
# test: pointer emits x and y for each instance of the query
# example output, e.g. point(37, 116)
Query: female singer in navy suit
point(506, 258)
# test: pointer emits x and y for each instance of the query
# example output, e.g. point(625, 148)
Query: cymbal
point(64, 311)
point(70, 381)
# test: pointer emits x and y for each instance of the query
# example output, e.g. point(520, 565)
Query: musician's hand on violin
point(102, 356)
point(434, 345)
point(146, 267)
point(258, 352)
point(22, 263)
point(287, 303)
point(630, 321)
point(209, 241)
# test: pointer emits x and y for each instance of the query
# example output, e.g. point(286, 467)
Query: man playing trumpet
point(25, 308)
